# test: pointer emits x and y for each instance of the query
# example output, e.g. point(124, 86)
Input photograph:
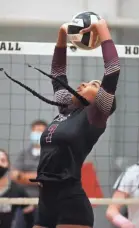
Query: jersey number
point(51, 130)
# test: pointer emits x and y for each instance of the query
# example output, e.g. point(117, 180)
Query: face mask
point(3, 170)
point(35, 137)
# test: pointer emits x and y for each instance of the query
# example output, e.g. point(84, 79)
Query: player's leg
point(45, 216)
point(41, 216)
point(75, 212)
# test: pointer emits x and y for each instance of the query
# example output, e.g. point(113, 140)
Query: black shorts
point(64, 203)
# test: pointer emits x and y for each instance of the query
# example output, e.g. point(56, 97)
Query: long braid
point(32, 91)
point(66, 86)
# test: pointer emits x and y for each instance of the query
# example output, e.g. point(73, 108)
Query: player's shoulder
point(131, 174)
point(133, 170)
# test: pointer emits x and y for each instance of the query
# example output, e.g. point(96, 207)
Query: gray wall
point(18, 109)
point(120, 36)
point(39, 20)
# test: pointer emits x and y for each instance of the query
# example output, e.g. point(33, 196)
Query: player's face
point(88, 91)
point(3, 160)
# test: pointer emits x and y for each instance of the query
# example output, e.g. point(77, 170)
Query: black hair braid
point(33, 92)
point(66, 86)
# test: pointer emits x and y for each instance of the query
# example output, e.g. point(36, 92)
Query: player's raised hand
point(93, 27)
point(64, 27)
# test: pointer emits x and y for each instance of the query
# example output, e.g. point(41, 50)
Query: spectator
point(11, 190)
point(126, 186)
point(26, 163)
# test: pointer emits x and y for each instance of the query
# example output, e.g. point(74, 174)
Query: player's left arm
point(106, 93)
point(105, 96)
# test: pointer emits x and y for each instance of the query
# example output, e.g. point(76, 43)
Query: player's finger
point(85, 30)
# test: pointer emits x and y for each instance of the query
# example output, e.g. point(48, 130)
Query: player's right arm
point(123, 188)
point(23, 177)
point(18, 172)
point(58, 68)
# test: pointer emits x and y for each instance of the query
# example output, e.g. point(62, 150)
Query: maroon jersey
point(73, 133)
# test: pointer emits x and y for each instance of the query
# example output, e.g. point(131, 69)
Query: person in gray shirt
point(25, 166)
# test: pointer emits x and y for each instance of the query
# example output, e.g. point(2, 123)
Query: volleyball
point(80, 21)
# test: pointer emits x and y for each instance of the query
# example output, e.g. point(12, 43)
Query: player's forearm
point(111, 212)
point(23, 177)
point(60, 53)
point(28, 209)
point(106, 93)
point(103, 31)
point(58, 69)
point(112, 66)
point(118, 220)
point(110, 57)
point(59, 63)
point(62, 37)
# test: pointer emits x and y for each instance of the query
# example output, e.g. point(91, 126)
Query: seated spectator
point(11, 190)
point(126, 186)
point(26, 163)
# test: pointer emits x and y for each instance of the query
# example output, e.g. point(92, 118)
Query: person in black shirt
point(11, 190)
point(72, 135)
point(25, 165)
point(67, 141)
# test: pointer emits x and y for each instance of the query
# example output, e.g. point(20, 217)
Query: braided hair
point(66, 86)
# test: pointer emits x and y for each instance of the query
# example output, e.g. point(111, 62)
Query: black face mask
point(3, 170)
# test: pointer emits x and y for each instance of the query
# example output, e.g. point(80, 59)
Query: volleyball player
point(126, 186)
point(72, 134)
